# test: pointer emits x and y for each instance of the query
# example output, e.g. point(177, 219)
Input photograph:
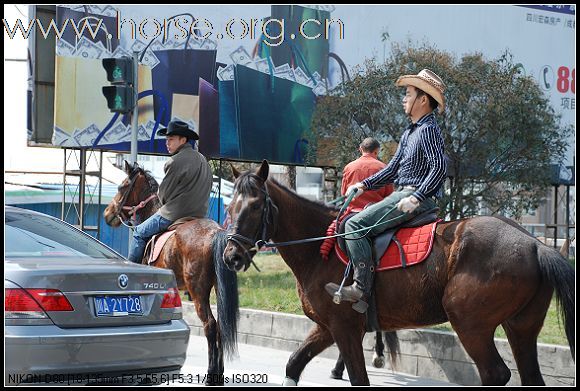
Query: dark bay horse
point(194, 253)
point(483, 272)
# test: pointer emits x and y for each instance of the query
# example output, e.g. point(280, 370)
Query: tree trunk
point(291, 177)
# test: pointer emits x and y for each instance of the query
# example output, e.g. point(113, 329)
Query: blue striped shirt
point(419, 161)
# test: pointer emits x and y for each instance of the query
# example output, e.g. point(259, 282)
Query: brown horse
point(194, 253)
point(482, 272)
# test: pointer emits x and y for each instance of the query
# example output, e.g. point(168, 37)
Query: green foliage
point(224, 170)
point(500, 131)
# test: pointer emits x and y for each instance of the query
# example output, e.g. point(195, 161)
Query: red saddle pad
point(417, 244)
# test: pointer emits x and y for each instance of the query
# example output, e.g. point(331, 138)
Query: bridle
point(129, 219)
point(269, 216)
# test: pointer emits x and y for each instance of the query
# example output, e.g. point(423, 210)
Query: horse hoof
point(214, 380)
point(335, 375)
point(378, 361)
point(289, 382)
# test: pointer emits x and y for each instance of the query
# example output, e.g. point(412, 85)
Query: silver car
point(76, 312)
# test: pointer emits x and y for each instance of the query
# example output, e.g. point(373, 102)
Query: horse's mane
point(248, 183)
point(153, 185)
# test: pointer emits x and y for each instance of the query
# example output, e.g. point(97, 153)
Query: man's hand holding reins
point(357, 188)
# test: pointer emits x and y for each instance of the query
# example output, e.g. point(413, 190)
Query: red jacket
point(354, 172)
point(360, 169)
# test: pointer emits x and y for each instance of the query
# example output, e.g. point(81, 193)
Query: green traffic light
point(120, 96)
point(117, 73)
point(118, 103)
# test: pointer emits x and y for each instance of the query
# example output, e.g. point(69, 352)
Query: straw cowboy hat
point(426, 81)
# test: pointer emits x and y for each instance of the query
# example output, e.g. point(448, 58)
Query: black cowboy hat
point(178, 128)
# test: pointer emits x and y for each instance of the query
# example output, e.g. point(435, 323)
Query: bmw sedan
point(76, 312)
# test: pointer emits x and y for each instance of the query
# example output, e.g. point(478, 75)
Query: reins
point(257, 245)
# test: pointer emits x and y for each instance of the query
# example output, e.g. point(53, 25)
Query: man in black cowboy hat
point(418, 170)
point(184, 191)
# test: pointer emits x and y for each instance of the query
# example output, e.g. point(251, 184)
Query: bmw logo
point(123, 281)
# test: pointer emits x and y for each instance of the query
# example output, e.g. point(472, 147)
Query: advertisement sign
point(281, 56)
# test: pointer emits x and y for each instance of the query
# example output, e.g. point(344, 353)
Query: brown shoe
point(348, 293)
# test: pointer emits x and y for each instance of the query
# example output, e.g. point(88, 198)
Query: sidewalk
point(260, 366)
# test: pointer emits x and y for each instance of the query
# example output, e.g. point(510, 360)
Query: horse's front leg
point(349, 342)
point(318, 339)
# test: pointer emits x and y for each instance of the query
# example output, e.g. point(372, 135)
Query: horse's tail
point(227, 297)
point(560, 274)
point(392, 341)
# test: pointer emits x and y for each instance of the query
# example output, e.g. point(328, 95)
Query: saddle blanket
point(417, 243)
point(157, 242)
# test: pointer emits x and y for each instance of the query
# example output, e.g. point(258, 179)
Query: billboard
point(266, 64)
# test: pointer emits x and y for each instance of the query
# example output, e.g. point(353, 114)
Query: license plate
point(118, 305)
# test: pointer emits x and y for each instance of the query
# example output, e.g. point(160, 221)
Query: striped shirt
point(418, 162)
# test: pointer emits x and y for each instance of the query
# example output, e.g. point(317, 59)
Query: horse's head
point(139, 186)
point(253, 216)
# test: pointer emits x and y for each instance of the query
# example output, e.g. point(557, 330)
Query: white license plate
point(118, 305)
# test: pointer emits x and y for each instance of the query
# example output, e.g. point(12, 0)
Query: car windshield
point(30, 235)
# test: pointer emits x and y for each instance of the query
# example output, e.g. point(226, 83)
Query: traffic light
point(120, 96)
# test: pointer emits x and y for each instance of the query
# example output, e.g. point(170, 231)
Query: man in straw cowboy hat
point(417, 169)
point(184, 191)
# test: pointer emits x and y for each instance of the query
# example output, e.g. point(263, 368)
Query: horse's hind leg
point(475, 326)
point(215, 368)
point(379, 354)
point(522, 332)
point(481, 348)
point(338, 369)
point(476, 334)
point(318, 339)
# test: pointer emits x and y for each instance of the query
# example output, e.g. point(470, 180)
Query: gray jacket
point(185, 190)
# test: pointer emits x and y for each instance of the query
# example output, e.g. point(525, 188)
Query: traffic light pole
point(135, 118)
point(122, 95)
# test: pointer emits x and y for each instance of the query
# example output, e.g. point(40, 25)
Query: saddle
point(156, 243)
point(412, 242)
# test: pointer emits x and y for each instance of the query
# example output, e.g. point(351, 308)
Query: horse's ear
point(263, 170)
point(235, 171)
point(128, 167)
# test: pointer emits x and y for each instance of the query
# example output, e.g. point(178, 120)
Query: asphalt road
point(259, 366)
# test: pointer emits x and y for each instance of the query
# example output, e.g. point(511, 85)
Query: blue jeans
point(143, 232)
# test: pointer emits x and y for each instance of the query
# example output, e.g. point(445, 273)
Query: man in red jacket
point(354, 172)
point(362, 168)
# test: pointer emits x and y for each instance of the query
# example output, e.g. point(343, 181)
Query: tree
point(501, 134)
point(224, 170)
